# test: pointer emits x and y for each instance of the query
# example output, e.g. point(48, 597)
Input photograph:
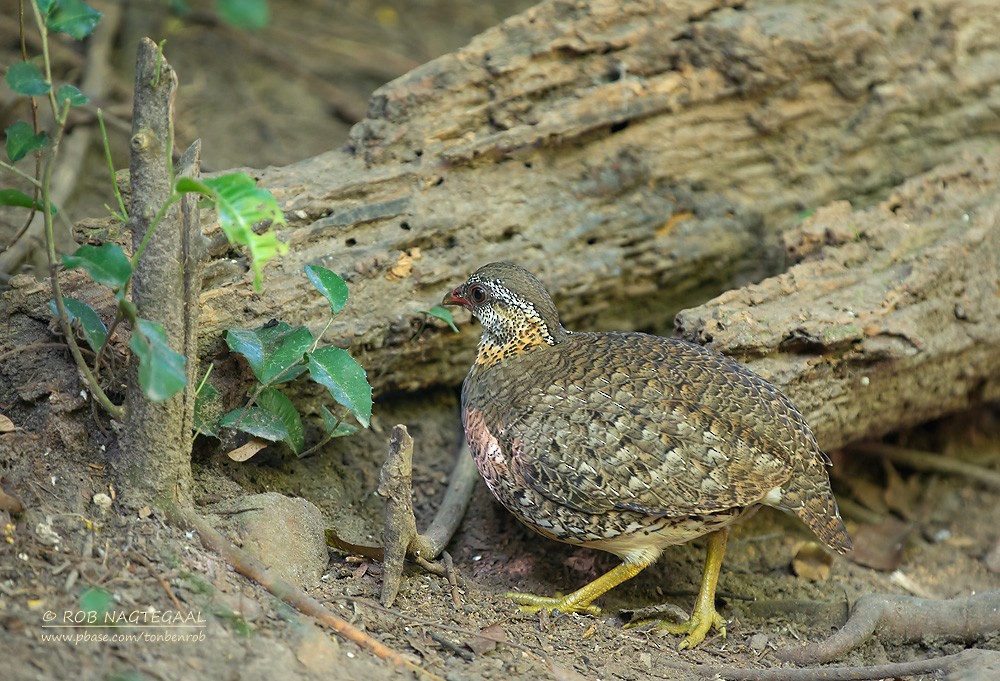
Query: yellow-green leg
point(704, 616)
point(581, 599)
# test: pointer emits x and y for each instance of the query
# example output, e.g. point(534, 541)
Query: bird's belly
point(640, 533)
point(619, 531)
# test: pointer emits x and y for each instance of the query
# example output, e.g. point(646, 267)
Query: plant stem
point(320, 336)
point(99, 395)
point(111, 165)
point(107, 341)
point(30, 178)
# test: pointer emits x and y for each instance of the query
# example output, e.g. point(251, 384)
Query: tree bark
point(642, 157)
point(154, 459)
point(891, 318)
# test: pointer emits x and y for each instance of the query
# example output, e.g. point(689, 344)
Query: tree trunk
point(640, 158)
point(154, 459)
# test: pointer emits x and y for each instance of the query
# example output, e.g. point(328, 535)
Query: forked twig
point(399, 535)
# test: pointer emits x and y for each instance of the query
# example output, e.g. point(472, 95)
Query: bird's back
point(617, 427)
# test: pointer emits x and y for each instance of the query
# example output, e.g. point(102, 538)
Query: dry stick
point(139, 558)
point(937, 463)
point(31, 347)
point(399, 536)
point(400, 530)
point(882, 671)
point(905, 618)
point(252, 568)
point(449, 567)
point(461, 483)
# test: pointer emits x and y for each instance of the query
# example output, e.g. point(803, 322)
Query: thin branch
point(139, 558)
point(100, 396)
point(35, 182)
point(252, 568)
point(933, 463)
point(111, 165)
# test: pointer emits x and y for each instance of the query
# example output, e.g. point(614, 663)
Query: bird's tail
point(810, 498)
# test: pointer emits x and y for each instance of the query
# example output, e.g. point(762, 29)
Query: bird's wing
point(632, 438)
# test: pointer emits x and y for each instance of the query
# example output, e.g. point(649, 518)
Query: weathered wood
point(892, 317)
point(640, 157)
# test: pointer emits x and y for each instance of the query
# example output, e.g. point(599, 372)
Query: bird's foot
point(531, 603)
point(695, 629)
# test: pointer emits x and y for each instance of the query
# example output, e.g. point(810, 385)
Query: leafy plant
point(436, 312)
point(238, 13)
point(278, 353)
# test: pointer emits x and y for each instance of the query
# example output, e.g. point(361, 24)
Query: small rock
point(812, 562)
point(46, 535)
point(759, 642)
point(102, 501)
point(317, 650)
point(992, 559)
point(287, 535)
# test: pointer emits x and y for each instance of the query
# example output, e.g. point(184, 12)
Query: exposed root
point(956, 667)
point(897, 619)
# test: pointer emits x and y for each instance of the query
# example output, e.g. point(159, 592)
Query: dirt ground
point(289, 93)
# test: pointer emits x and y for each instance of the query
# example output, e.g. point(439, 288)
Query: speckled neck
point(514, 331)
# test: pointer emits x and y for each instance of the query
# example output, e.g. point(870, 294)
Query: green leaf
point(45, 6)
point(96, 599)
point(207, 410)
point(244, 13)
point(274, 401)
point(73, 17)
point(444, 314)
point(93, 328)
point(340, 373)
point(13, 197)
point(162, 372)
point(22, 140)
point(272, 351)
point(256, 421)
point(335, 427)
point(330, 285)
point(71, 93)
point(241, 204)
point(181, 8)
point(25, 78)
point(107, 264)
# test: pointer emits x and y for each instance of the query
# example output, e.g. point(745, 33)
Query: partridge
point(627, 442)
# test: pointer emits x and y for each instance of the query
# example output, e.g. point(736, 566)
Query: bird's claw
point(530, 603)
point(695, 629)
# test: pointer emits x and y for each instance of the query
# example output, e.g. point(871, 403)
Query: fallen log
point(640, 157)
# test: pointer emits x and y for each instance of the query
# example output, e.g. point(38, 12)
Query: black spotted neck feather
point(513, 329)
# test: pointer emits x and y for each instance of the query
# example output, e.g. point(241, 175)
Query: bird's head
point(514, 308)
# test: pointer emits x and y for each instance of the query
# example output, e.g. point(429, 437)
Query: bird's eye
point(477, 294)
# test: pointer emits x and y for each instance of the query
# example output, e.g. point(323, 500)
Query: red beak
point(457, 297)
